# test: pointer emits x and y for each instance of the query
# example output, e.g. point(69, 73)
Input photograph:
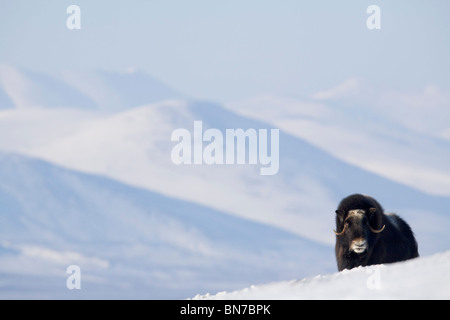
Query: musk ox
point(365, 235)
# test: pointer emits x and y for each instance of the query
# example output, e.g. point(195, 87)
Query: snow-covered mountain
point(398, 135)
point(23, 88)
point(93, 90)
point(130, 242)
point(421, 278)
point(114, 91)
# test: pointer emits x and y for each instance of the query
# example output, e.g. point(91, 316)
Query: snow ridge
point(420, 278)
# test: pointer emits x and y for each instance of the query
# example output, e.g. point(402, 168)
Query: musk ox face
point(356, 229)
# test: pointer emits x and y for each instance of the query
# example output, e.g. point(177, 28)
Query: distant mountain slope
point(130, 242)
point(397, 135)
point(93, 90)
point(28, 89)
point(113, 91)
point(5, 100)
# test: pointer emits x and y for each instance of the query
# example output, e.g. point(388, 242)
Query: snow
point(420, 278)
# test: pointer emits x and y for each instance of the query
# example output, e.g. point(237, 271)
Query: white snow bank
point(421, 278)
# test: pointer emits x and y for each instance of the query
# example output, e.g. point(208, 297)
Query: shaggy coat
point(365, 235)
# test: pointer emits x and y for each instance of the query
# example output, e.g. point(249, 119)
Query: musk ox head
point(357, 229)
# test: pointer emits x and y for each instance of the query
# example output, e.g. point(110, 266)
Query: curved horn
point(342, 232)
point(377, 231)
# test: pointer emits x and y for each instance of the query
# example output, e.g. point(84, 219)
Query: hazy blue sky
point(231, 49)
